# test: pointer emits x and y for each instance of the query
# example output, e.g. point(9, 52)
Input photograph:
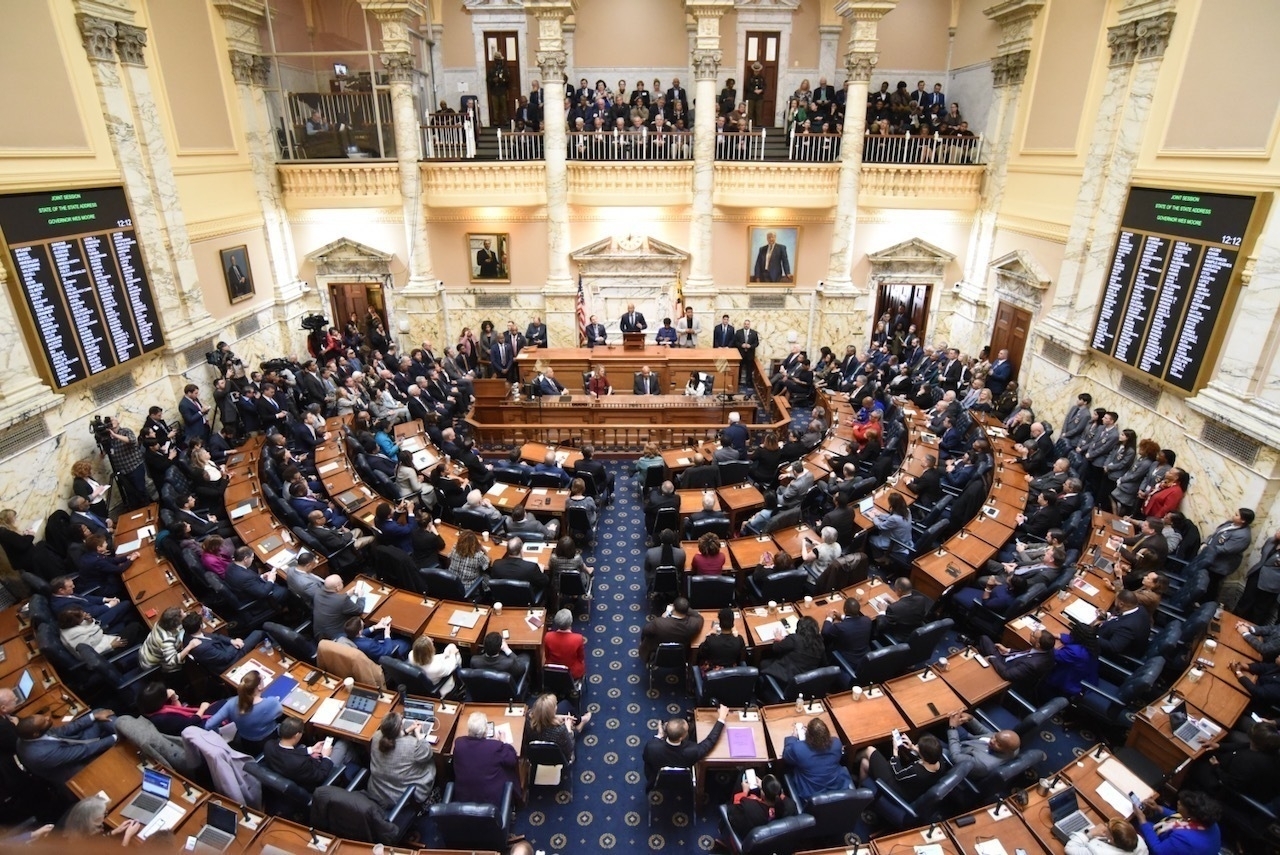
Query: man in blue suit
point(112, 613)
point(58, 753)
point(1000, 375)
point(549, 385)
point(303, 505)
point(772, 264)
point(502, 359)
point(194, 421)
point(722, 335)
point(247, 585)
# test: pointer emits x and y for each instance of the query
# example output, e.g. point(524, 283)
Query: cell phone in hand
point(488, 730)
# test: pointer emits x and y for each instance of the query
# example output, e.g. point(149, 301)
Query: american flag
point(581, 309)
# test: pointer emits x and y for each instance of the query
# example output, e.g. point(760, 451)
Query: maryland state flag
point(679, 297)
point(581, 310)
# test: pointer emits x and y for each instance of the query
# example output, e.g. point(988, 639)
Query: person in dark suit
point(596, 333)
point(724, 648)
point(1000, 374)
point(487, 261)
point(1024, 667)
point(849, 634)
point(723, 333)
point(548, 384)
point(536, 332)
point(113, 614)
point(951, 374)
point(928, 487)
point(906, 613)
point(248, 585)
point(771, 264)
point(495, 655)
point(983, 750)
point(214, 653)
point(303, 505)
point(1125, 631)
point(330, 609)
point(308, 767)
point(669, 747)
point(194, 422)
point(269, 407)
point(1037, 453)
point(482, 766)
point(677, 624)
point(646, 383)
point(99, 568)
point(659, 498)
point(512, 566)
point(746, 340)
point(1260, 680)
point(632, 321)
point(502, 361)
point(1223, 550)
point(1262, 584)
point(595, 470)
point(56, 754)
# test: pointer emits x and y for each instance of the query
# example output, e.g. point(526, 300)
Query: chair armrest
point(337, 773)
point(1259, 807)
point(521, 688)
point(1025, 705)
point(775, 687)
point(1119, 666)
point(448, 794)
point(357, 780)
point(893, 796)
point(985, 720)
point(504, 806)
point(304, 628)
point(699, 683)
point(1098, 690)
point(128, 653)
point(844, 664)
point(405, 798)
point(1170, 612)
point(138, 676)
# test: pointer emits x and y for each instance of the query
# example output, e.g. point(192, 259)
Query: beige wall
point(321, 25)
point(1228, 90)
point(213, 282)
point(729, 49)
point(914, 35)
point(28, 39)
point(528, 231)
point(625, 34)
point(976, 35)
point(1062, 74)
point(191, 77)
point(459, 45)
point(804, 43)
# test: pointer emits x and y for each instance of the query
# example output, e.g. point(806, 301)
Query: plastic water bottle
point(266, 645)
point(800, 703)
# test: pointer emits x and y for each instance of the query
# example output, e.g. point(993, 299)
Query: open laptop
point(26, 685)
point(1122, 526)
point(865, 505)
point(152, 799)
point(1066, 814)
point(219, 831)
point(357, 711)
point(1101, 562)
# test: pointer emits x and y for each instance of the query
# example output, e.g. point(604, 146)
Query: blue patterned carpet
point(608, 811)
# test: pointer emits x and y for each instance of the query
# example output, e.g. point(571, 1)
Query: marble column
point(829, 50)
point(137, 141)
point(1137, 50)
point(22, 393)
point(560, 291)
point(844, 310)
point(420, 301)
point(706, 65)
point(969, 307)
point(242, 21)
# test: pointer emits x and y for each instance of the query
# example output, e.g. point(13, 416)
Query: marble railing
point(340, 184)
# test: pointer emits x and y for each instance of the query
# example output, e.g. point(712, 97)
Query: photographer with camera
point(125, 454)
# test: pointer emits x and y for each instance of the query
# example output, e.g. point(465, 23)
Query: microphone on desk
point(315, 841)
point(186, 791)
point(510, 709)
point(928, 835)
point(1000, 806)
point(244, 812)
point(1097, 755)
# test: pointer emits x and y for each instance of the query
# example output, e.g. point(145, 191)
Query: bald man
point(8, 721)
point(330, 610)
point(987, 751)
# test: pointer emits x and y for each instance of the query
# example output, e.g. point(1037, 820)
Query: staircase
point(486, 144)
point(775, 144)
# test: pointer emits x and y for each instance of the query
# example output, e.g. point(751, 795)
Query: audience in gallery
point(1093, 460)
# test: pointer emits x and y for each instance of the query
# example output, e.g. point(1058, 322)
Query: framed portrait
point(235, 267)
point(771, 253)
point(489, 257)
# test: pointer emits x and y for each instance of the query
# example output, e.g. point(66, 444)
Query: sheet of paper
point(146, 531)
point(990, 847)
point(1081, 611)
point(766, 631)
point(502, 731)
point(540, 491)
point(496, 489)
point(1115, 772)
point(327, 711)
point(126, 548)
point(1118, 801)
point(169, 816)
point(282, 559)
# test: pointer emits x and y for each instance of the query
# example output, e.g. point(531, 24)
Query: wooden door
point(502, 103)
point(1010, 333)
point(348, 298)
point(762, 47)
point(904, 303)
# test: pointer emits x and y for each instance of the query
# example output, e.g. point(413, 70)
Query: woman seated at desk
point(666, 336)
point(698, 385)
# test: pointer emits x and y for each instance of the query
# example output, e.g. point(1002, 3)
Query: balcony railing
point(448, 136)
point(630, 145)
point(814, 148)
point(337, 125)
point(892, 148)
point(747, 145)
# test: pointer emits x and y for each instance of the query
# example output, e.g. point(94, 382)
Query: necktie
point(768, 254)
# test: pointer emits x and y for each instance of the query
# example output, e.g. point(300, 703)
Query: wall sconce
point(403, 325)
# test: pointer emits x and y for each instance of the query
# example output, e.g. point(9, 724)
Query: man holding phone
point(308, 767)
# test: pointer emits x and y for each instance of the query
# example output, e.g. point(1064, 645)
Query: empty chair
point(557, 680)
point(812, 684)
point(669, 656)
point(674, 779)
point(299, 646)
point(734, 472)
point(513, 592)
point(879, 665)
point(664, 518)
point(472, 825)
point(548, 480)
point(834, 812)
point(577, 524)
point(780, 837)
point(783, 519)
point(492, 687)
point(923, 639)
point(540, 752)
point(733, 687)
point(444, 584)
point(666, 583)
point(1111, 705)
point(711, 592)
point(1013, 712)
point(718, 527)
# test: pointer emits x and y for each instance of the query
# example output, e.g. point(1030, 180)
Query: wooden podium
point(633, 341)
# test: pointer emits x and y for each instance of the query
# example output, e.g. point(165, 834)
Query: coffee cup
point(773, 606)
point(808, 601)
point(857, 693)
point(348, 683)
point(943, 664)
point(1210, 645)
point(860, 593)
point(497, 608)
point(1195, 675)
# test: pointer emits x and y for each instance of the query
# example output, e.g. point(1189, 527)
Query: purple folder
point(742, 742)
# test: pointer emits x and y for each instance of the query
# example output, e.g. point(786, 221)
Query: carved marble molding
point(1009, 69)
point(1153, 35)
point(782, 5)
point(99, 36)
point(399, 66)
point(463, 185)
point(1016, 19)
point(493, 5)
point(859, 65)
point(552, 63)
point(1020, 279)
point(249, 69)
point(346, 257)
point(130, 41)
point(706, 64)
point(341, 185)
point(912, 260)
point(941, 186)
point(1122, 41)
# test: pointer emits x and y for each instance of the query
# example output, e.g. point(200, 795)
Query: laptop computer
point(1102, 562)
point(1122, 526)
point(357, 711)
point(26, 684)
point(219, 831)
point(1066, 814)
point(152, 799)
point(419, 710)
point(865, 505)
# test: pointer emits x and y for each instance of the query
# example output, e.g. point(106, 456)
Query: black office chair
point(700, 477)
point(484, 686)
point(473, 520)
point(545, 480)
point(292, 642)
point(444, 584)
point(356, 816)
point(569, 586)
point(122, 679)
point(1014, 712)
point(779, 837)
point(471, 825)
point(513, 592)
point(395, 567)
point(711, 592)
point(283, 797)
point(557, 680)
point(1113, 706)
point(817, 683)
point(897, 812)
point(653, 478)
point(410, 678)
point(717, 525)
point(577, 524)
point(924, 639)
point(666, 583)
point(733, 687)
point(540, 752)
point(785, 587)
point(1007, 776)
point(672, 779)
point(734, 472)
point(878, 666)
point(670, 656)
point(664, 518)
point(833, 812)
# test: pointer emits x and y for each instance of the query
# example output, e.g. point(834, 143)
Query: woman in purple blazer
point(482, 766)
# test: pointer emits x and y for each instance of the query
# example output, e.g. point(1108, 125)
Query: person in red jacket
point(565, 647)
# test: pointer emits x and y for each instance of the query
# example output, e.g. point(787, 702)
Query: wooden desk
point(255, 526)
point(438, 628)
point(820, 607)
point(790, 539)
point(704, 719)
point(1038, 818)
point(914, 695)
point(515, 621)
point(1217, 663)
point(866, 722)
point(1017, 632)
point(378, 590)
point(754, 620)
point(505, 497)
point(746, 552)
point(711, 624)
point(904, 842)
point(246, 827)
point(780, 722)
point(869, 591)
point(679, 459)
point(934, 572)
point(740, 500)
point(671, 364)
point(1209, 694)
point(129, 522)
point(514, 715)
point(449, 534)
point(536, 452)
point(182, 793)
point(990, 529)
point(968, 679)
point(408, 611)
point(144, 580)
point(545, 502)
point(387, 701)
point(14, 622)
point(116, 772)
point(1009, 829)
point(691, 502)
point(971, 549)
point(17, 655)
point(291, 837)
point(1229, 634)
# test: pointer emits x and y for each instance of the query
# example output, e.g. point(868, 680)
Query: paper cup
point(857, 693)
point(348, 683)
point(808, 601)
point(1210, 644)
point(1196, 674)
point(943, 664)
point(860, 593)
point(497, 608)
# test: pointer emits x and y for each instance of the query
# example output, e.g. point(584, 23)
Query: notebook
point(742, 742)
point(462, 617)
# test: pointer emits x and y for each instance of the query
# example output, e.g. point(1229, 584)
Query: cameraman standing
point(126, 458)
